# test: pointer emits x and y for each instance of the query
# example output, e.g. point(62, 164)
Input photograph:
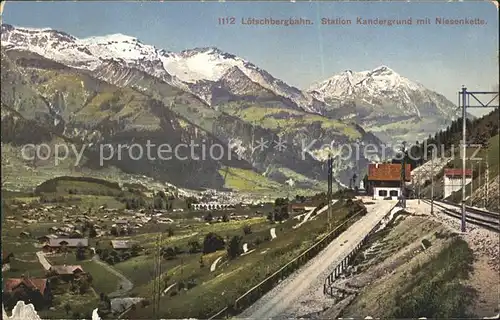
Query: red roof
point(32, 283)
point(450, 172)
point(387, 172)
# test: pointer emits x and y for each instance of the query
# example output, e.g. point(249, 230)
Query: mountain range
point(116, 90)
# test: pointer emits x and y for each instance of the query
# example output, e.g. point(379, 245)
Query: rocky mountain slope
point(185, 69)
point(382, 101)
point(115, 90)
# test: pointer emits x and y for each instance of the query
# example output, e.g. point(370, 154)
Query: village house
point(45, 239)
point(54, 229)
point(30, 290)
point(61, 244)
point(384, 180)
point(25, 234)
point(76, 234)
point(452, 180)
point(6, 258)
point(122, 244)
point(67, 272)
point(298, 208)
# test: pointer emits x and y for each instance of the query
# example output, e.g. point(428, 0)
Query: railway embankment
point(420, 265)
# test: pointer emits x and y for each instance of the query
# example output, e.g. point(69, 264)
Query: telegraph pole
point(419, 176)
point(471, 181)
point(159, 275)
point(480, 180)
point(432, 182)
point(403, 177)
point(464, 133)
point(487, 180)
point(330, 182)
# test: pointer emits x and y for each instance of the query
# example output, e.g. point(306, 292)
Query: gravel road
point(302, 292)
point(125, 283)
point(41, 257)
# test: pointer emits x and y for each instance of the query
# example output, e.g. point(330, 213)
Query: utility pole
point(253, 138)
point(158, 279)
point(330, 182)
point(464, 94)
point(471, 181)
point(464, 141)
point(432, 182)
point(487, 180)
point(403, 177)
point(419, 176)
point(480, 181)
point(153, 295)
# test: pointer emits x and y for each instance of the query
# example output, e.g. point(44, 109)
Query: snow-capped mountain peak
point(182, 69)
point(381, 79)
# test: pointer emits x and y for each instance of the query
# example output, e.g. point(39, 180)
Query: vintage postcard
point(244, 159)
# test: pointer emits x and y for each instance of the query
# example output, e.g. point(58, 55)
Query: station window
point(382, 193)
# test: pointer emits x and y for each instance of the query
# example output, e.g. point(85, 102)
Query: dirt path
point(43, 260)
point(125, 284)
point(304, 289)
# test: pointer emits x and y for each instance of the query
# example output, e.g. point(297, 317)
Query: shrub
point(194, 247)
point(247, 229)
point(212, 243)
point(180, 286)
point(209, 217)
point(234, 249)
point(257, 241)
point(170, 232)
point(169, 253)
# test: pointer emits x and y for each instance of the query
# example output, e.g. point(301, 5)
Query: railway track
point(485, 219)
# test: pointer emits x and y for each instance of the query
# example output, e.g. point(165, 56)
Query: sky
point(442, 58)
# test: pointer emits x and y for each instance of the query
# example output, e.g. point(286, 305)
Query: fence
point(327, 286)
point(255, 293)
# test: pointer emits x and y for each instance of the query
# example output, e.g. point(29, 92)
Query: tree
point(114, 231)
point(212, 243)
point(234, 249)
point(80, 253)
point(270, 216)
point(194, 247)
point(280, 211)
point(92, 232)
point(353, 180)
point(190, 200)
point(169, 253)
point(170, 232)
point(84, 286)
point(67, 308)
point(158, 203)
point(208, 217)
point(247, 229)
point(135, 250)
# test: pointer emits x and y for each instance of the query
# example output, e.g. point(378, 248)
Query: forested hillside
point(479, 131)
